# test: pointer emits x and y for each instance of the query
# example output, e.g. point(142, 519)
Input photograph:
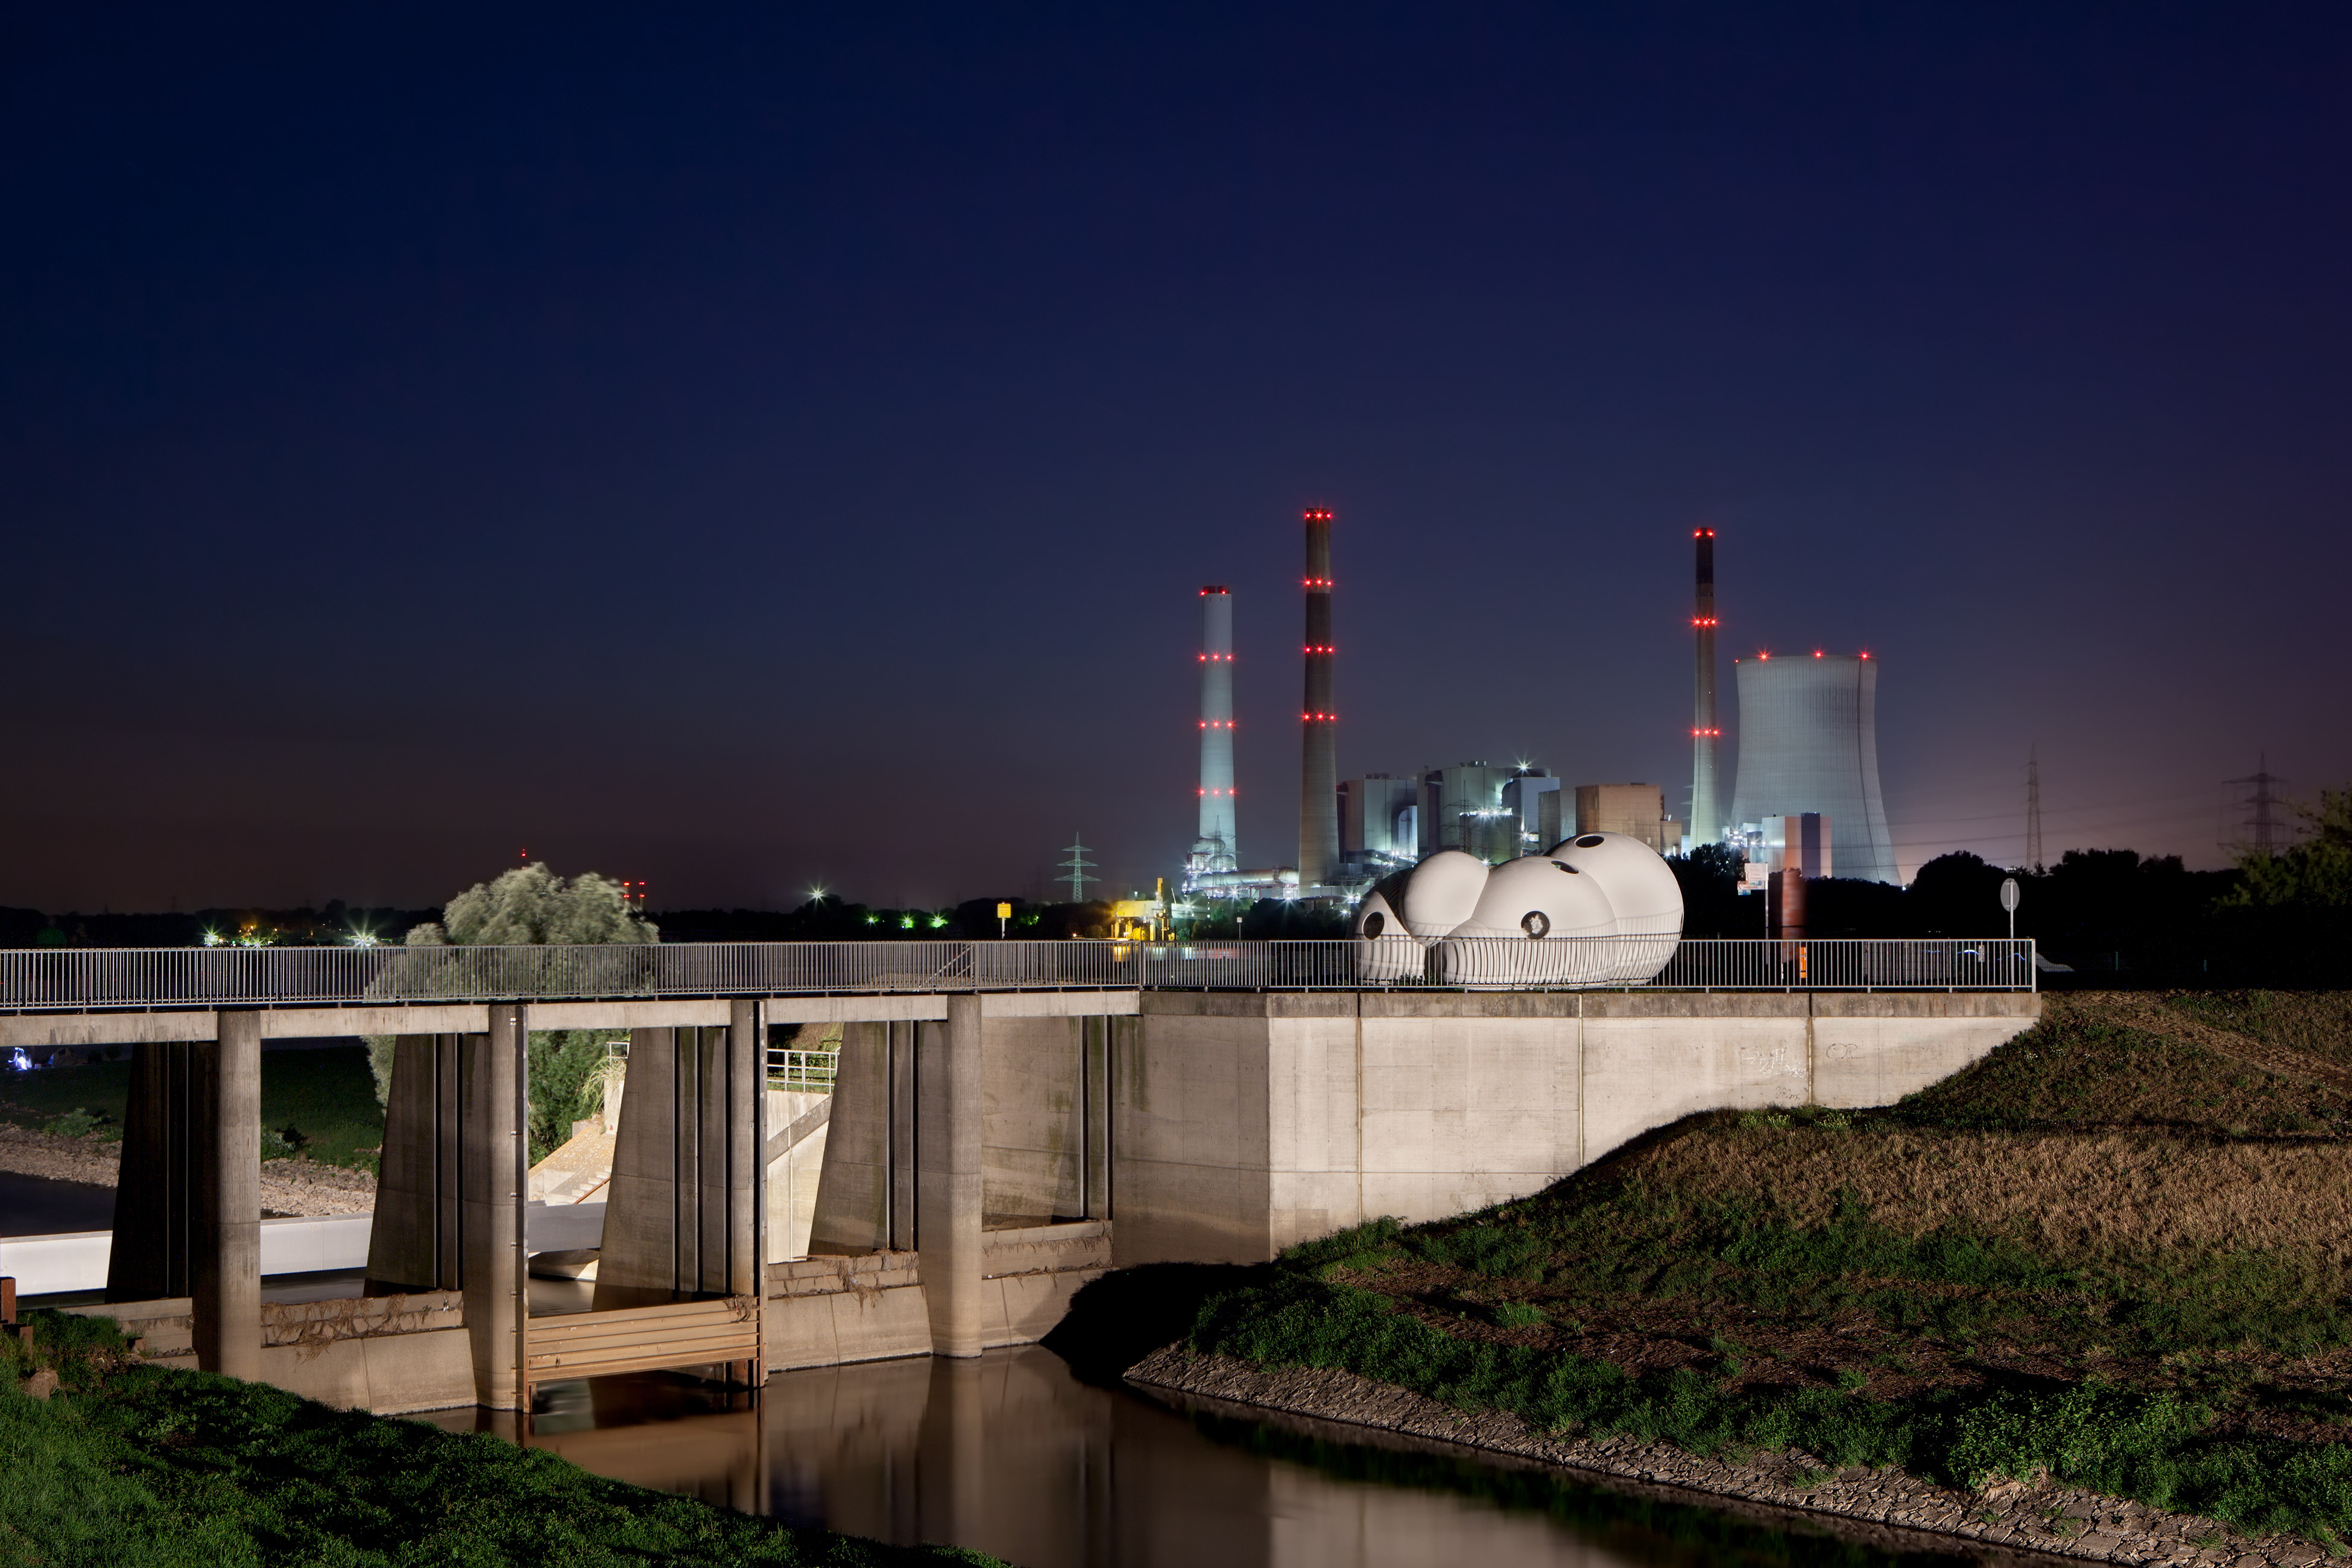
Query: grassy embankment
point(325, 1098)
point(2119, 1250)
point(139, 1466)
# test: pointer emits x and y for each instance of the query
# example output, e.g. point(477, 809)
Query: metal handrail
point(35, 980)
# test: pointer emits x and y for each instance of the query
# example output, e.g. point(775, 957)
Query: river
point(1012, 1454)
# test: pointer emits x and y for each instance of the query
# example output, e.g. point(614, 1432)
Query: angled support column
point(948, 1175)
point(157, 1186)
point(492, 1165)
point(413, 1245)
point(866, 1189)
point(225, 1257)
point(678, 1220)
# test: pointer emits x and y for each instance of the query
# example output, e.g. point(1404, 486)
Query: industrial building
point(1533, 795)
point(1635, 810)
point(1379, 820)
point(1388, 820)
point(1808, 743)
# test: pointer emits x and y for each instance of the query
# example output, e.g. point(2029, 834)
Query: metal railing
point(84, 979)
point(804, 1072)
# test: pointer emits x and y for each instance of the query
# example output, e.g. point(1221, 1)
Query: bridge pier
point(947, 1157)
point(227, 1255)
point(866, 1194)
point(413, 1243)
point(450, 1188)
point(680, 1217)
point(494, 1166)
point(187, 1206)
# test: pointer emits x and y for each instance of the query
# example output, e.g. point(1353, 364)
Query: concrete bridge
point(1008, 1119)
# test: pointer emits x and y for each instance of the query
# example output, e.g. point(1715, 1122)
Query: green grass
point(327, 1096)
point(2154, 1447)
point(139, 1466)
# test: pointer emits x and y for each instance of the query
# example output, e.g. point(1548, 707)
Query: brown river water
point(1013, 1456)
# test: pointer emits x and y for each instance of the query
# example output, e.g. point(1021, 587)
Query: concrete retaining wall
point(1247, 1122)
point(391, 1355)
point(828, 1311)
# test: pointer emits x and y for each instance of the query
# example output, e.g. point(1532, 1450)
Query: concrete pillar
point(899, 1039)
point(1094, 1115)
point(413, 1245)
point(157, 1184)
point(746, 1146)
point(948, 1175)
point(493, 1161)
point(225, 1257)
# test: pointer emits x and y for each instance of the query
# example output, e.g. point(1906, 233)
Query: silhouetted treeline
point(829, 919)
point(2113, 916)
point(333, 926)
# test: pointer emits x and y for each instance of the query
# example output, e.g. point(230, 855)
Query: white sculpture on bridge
point(1459, 922)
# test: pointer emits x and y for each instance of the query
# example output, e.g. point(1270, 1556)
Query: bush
point(80, 1122)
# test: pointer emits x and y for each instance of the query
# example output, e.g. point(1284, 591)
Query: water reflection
point(1012, 1456)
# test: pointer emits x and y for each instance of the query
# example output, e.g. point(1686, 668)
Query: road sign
point(2008, 901)
point(1003, 913)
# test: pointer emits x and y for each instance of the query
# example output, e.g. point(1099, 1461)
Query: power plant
point(1808, 743)
point(1808, 751)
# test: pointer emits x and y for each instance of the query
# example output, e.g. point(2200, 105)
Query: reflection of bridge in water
point(1007, 1119)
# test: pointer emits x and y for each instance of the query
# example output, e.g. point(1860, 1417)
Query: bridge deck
point(90, 980)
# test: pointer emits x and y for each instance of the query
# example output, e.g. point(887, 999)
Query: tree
point(1710, 879)
point(2289, 917)
point(532, 906)
point(2316, 874)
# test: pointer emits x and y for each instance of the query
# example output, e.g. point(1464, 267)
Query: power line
point(1907, 843)
point(2259, 810)
point(2094, 806)
point(1076, 866)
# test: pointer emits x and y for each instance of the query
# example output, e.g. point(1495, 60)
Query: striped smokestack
point(1705, 817)
point(1318, 771)
point(1217, 849)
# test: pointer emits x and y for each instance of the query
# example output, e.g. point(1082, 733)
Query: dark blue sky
point(743, 449)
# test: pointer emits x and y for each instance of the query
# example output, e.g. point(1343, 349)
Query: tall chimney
point(1319, 769)
point(1218, 849)
point(1705, 817)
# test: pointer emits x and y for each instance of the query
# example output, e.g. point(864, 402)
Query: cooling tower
point(1218, 847)
point(1318, 771)
point(1809, 741)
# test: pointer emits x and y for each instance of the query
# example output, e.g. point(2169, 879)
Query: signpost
point(1003, 913)
point(2009, 902)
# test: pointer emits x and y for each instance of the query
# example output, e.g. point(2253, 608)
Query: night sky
point(751, 449)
